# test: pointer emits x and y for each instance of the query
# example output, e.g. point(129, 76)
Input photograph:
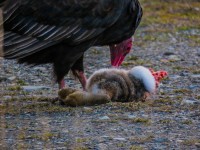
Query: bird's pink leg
point(82, 78)
point(61, 84)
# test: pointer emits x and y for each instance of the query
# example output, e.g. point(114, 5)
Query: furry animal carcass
point(113, 84)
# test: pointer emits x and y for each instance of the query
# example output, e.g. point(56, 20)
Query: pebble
point(102, 146)
point(106, 137)
point(7, 97)
point(174, 77)
point(65, 131)
point(161, 140)
point(40, 68)
point(174, 58)
point(190, 102)
point(87, 109)
point(195, 76)
point(184, 74)
point(168, 53)
point(119, 139)
point(37, 80)
point(104, 118)
point(179, 141)
point(197, 8)
point(131, 116)
point(34, 88)
point(193, 87)
point(12, 78)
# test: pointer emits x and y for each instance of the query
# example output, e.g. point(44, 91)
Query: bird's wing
point(32, 25)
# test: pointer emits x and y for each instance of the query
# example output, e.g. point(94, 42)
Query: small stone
point(168, 53)
point(37, 80)
point(65, 131)
point(195, 76)
point(145, 116)
point(102, 146)
point(12, 78)
point(131, 116)
point(174, 58)
point(179, 141)
point(34, 88)
point(87, 109)
point(197, 8)
point(7, 97)
point(184, 74)
point(40, 68)
point(119, 139)
point(193, 87)
point(104, 118)
point(164, 60)
point(106, 137)
point(174, 77)
point(161, 140)
point(190, 102)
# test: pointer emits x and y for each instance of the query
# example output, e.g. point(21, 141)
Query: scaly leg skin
point(61, 84)
point(81, 77)
point(82, 98)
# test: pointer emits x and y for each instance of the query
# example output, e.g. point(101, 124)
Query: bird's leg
point(78, 71)
point(61, 84)
point(81, 77)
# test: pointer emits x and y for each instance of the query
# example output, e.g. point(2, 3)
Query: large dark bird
point(60, 31)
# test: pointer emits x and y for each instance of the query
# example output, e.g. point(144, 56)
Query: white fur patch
point(95, 89)
point(143, 74)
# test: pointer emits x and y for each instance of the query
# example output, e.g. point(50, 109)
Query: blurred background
point(161, 17)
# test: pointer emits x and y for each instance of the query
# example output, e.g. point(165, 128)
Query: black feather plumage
point(60, 31)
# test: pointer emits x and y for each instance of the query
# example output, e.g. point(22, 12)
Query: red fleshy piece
point(158, 75)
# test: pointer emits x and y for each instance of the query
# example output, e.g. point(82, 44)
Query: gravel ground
point(169, 120)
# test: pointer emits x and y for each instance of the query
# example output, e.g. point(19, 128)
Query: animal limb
point(73, 97)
